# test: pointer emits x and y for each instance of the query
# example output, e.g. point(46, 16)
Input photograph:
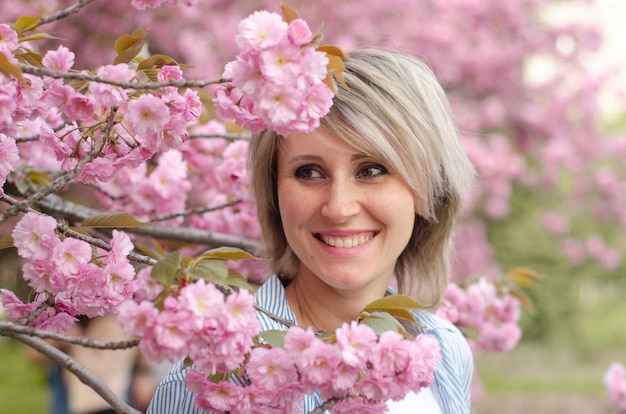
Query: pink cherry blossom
point(354, 343)
point(35, 236)
point(317, 363)
point(60, 60)
point(615, 382)
point(146, 115)
point(8, 158)
point(271, 368)
point(299, 32)
point(8, 39)
point(136, 318)
point(109, 95)
point(261, 30)
point(501, 338)
point(70, 254)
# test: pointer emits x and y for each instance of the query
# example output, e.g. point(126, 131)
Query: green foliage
point(114, 220)
point(23, 387)
point(576, 304)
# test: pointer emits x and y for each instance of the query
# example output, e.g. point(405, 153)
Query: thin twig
point(34, 315)
point(197, 210)
point(184, 83)
point(64, 13)
point(11, 328)
point(56, 206)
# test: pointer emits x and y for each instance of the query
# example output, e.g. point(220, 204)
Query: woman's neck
point(323, 308)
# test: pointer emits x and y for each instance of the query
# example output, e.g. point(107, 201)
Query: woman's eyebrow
point(311, 157)
point(306, 157)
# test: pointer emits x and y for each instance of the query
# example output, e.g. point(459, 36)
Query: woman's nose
point(341, 200)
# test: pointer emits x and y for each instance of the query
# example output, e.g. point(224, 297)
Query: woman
point(369, 196)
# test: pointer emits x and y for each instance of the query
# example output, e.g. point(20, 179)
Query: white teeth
point(345, 242)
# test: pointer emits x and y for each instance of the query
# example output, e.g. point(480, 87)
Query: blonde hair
point(395, 110)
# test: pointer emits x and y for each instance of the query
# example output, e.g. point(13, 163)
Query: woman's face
point(347, 216)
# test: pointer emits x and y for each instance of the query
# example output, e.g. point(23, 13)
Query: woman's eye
point(307, 172)
point(372, 171)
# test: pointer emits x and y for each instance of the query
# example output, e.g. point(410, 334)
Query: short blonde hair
point(395, 110)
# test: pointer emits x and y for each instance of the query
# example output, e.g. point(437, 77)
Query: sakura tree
point(125, 190)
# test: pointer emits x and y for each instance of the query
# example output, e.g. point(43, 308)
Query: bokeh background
point(538, 89)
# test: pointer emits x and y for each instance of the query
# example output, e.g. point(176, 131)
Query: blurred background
point(538, 89)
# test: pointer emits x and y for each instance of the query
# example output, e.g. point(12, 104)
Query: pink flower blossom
point(317, 363)
point(299, 32)
point(615, 382)
point(109, 95)
point(35, 236)
point(136, 318)
point(80, 107)
point(501, 338)
point(147, 115)
point(42, 275)
point(70, 254)
point(261, 30)
point(121, 246)
point(8, 39)
point(14, 307)
point(355, 343)
point(271, 369)
point(60, 60)
point(8, 158)
point(170, 72)
point(221, 397)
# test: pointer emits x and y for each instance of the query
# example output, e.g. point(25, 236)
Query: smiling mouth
point(345, 242)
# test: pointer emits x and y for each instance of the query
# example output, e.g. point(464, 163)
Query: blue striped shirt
point(451, 386)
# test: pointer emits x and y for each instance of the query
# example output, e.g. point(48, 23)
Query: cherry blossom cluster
point(80, 279)
point(277, 77)
point(215, 331)
point(615, 382)
point(482, 308)
point(70, 121)
point(361, 369)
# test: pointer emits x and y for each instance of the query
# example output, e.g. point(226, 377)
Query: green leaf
point(289, 13)
point(6, 242)
point(226, 253)
point(31, 58)
point(129, 46)
point(38, 36)
point(382, 322)
point(116, 219)
point(25, 23)
point(210, 270)
point(233, 281)
point(399, 306)
point(41, 178)
point(8, 68)
point(156, 61)
point(166, 269)
point(274, 337)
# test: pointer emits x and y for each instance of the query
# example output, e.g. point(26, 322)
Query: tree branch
point(12, 328)
point(82, 373)
point(64, 13)
point(197, 210)
point(37, 71)
point(56, 206)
